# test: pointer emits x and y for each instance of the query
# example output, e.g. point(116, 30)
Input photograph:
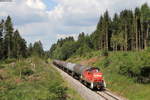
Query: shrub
point(148, 49)
point(144, 76)
point(123, 69)
point(2, 66)
point(10, 60)
point(58, 89)
point(27, 71)
point(104, 53)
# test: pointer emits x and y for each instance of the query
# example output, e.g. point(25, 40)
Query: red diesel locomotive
point(87, 75)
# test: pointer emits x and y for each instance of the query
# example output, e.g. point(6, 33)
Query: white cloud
point(67, 18)
point(37, 4)
point(62, 36)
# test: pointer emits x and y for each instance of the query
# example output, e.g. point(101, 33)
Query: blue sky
point(49, 20)
point(50, 4)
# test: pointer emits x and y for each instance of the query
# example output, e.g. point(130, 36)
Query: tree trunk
point(146, 37)
point(139, 40)
point(126, 38)
point(101, 44)
point(142, 37)
point(116, 47)
point(9, 49)
point(107, 38)
point(104, 44)
point(136, 28)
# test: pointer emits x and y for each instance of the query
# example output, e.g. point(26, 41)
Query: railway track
point(106, 95)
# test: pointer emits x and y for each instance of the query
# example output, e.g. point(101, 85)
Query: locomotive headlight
point(97, 75)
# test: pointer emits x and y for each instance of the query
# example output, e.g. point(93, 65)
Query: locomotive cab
point(94, 77)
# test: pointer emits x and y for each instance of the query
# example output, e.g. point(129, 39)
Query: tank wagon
point(90, 76)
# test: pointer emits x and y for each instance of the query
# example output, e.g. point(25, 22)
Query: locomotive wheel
point(92, 85)
point(85, 83)
point(81, 80)
point(104, 84)
point(72, 74)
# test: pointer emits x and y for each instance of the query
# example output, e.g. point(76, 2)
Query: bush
point(27, 71)
point(7, 61)
point(2, 66)
point(123, 70)
point(106, 62)
point(148, 49)
point(104, 53)
point(144, 76)
point(58, 89)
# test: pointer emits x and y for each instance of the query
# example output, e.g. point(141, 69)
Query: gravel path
point(85, 92)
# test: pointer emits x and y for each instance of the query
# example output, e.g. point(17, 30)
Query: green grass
point(33, 79)
point(117, 69)
point(126, 86)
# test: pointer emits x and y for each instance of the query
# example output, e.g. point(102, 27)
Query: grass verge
point(32, 79)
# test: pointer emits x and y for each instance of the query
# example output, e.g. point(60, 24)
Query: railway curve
point(85, 92)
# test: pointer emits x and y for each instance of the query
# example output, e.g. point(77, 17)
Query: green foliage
point(63, 49)
point(104, 53)
point(130, 64)
point(38, 81)
point(58, 89)
point(10, 60)
point(27, 71)
point(148, 49)
point(12, 45)
point(67, 50)
point(36, 49)
point(83, 50)
point(106, 62)
point(67, 47)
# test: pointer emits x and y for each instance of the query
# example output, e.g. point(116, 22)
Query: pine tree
point(137, 27)
point(106, 23)
point(38, 49)
point(16, 44)
point(1, 38)
point(12, 45)
point(145, 14)
point(23, 48)
point(8, 30)
point(30, 49)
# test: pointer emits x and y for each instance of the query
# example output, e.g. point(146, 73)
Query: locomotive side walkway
point(86, 93)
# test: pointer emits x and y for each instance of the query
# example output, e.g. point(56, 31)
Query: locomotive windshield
point(94, 69)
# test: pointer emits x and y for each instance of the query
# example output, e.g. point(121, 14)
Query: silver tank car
point(76, 68)
point(59, 63)
point(70, 66)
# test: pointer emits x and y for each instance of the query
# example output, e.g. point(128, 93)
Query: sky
point(50, 20)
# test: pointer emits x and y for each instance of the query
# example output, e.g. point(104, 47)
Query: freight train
point(90, 76)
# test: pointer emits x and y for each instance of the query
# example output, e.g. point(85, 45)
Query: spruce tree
point(8, 32)
point(1, 39)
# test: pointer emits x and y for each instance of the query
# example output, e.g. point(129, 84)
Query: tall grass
point(31, 79)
